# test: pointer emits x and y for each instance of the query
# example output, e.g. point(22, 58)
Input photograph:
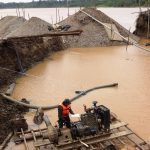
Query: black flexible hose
point(4, 96)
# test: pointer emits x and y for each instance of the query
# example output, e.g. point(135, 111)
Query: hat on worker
point(66, 101)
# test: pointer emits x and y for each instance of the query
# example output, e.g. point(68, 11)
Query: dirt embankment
point(20, 54)
point(143, 24)
point(17, 55)
point(8, 111)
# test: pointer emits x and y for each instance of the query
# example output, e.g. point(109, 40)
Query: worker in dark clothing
point(63, 113)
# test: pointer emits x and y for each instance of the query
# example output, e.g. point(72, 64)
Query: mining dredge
point(96, 129)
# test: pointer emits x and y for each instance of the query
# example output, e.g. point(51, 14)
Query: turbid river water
point(125, 16)
point(81, 68)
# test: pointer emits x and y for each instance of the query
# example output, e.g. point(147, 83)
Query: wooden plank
point(41, 143)
point(118, 125)
point(93, 140)
point(29, 131)
point(66, 33)
point(25, 142)
point(142, 146)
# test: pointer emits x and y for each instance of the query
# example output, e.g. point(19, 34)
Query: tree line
point(74, 3)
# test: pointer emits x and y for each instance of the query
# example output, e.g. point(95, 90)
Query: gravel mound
point(93, 34)
point(34, 26)
point(9, 24)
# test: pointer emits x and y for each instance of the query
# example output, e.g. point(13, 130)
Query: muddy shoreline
point(8, 112)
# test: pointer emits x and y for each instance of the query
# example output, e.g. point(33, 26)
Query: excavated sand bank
point(142, 24)
point(26, 51)
point(20, 54)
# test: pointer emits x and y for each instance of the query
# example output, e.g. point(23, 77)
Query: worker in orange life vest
point(63, 113)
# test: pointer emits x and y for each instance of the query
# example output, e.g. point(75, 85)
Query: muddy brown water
point(125, 16)
point(79, 69)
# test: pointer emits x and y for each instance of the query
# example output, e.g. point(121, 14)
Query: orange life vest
point(66, 110)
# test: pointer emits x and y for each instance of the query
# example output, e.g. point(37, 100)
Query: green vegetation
point(75, 3)
point(125, 3)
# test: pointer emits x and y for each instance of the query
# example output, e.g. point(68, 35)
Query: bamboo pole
point(140, 5)
point(29, 131)
point(25, 142)
point(23, 12)
point(16, 12)
point(56, 15)
point(148, 20)
point(65, 33)
point(2, 146)
point(52, 20)
point(68, 7)
point(28, 16)
point(128, 42)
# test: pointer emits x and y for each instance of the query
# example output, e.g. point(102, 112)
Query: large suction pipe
point(4, 96)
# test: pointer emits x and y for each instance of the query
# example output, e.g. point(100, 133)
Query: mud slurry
point(8, 111)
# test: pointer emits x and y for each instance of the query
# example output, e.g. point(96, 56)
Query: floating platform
point(119, 135)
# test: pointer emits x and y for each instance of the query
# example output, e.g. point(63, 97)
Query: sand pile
point(93, 34)
point(34, 26)
point(9, 24)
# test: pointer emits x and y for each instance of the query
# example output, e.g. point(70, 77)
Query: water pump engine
point(95, 120)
